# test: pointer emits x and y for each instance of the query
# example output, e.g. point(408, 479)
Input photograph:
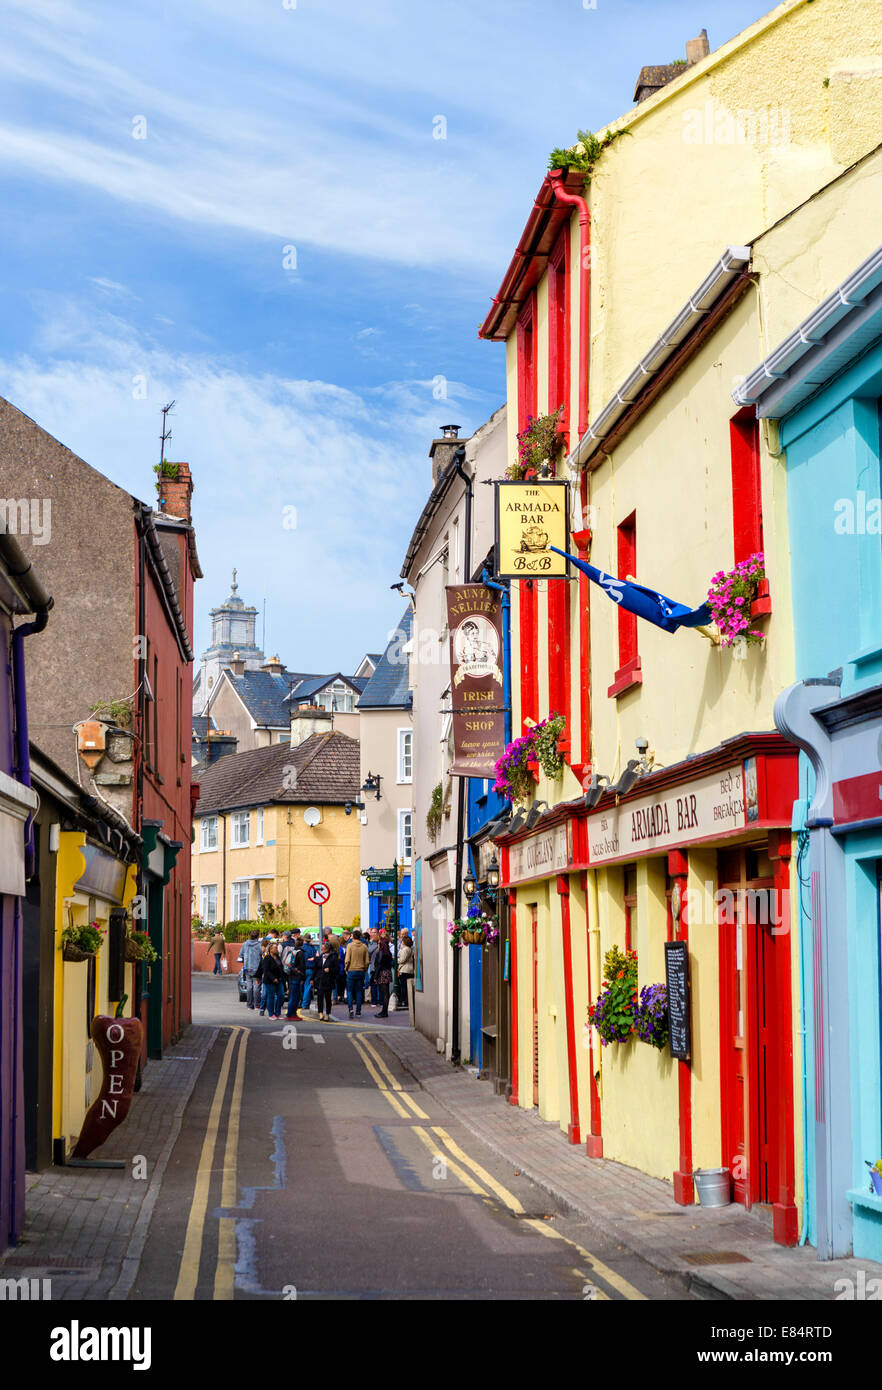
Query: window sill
point(626, 678)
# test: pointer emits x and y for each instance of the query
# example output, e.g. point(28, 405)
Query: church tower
point(233, 630)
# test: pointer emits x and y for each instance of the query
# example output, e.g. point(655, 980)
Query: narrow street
point(322, 1170)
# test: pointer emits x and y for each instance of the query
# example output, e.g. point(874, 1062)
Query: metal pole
point(321, 938)
point(394, 989)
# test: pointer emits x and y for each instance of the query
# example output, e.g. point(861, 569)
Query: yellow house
point(633, 304)
point(272, 821)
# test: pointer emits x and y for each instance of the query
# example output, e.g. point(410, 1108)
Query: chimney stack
point(175, 493)
point(442, 450)
point(274, 666)
point(237, 665)
point(696, 49)
point(307, 720)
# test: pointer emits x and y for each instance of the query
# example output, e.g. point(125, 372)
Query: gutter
point(556, 176)
point(167, 584)
point(734, 263)
point(852, 304)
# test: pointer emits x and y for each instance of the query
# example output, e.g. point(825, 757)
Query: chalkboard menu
point(677, 981)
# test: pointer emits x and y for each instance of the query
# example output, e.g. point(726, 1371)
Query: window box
point(762, 604)
point(626, 678)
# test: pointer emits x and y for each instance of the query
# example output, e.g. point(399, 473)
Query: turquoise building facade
point(823, 385)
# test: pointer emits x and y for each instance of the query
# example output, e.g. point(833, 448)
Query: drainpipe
point(555, 179)
point(22, 572)
point(455, 1053)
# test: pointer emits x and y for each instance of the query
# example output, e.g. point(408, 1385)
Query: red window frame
point(559, 328)
point(747, 495)
point(526, 345)
point(629, 673)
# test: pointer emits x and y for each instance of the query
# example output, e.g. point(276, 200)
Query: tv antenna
point(166, 432)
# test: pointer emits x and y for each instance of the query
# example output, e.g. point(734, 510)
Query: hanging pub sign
point(477, 692)
point(529, 518)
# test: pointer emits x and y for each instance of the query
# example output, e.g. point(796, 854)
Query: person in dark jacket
point(273, 976)
point(383, 975)
point(294, 965)
point(326, 972)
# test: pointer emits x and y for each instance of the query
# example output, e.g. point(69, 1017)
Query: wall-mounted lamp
point(516, 822)
point(595, 789)
point(630, 775)
point(534, 813)
point(348, 807)
point(372, 783)
point(493, 875)
point(470, 886)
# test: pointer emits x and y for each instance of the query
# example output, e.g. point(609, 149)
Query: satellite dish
point(313, 816)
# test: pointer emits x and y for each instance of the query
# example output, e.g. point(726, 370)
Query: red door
point(747, 1025)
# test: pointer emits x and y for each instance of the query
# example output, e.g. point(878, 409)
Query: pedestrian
point(356, 963)
point(272, 975)
point(341, 978)
point(383, 974)
point(327, 969)
point(310, 952)
point(219, 947)
point(405, 967)
point(294, 966)
point(372, 943)
point(251, 956)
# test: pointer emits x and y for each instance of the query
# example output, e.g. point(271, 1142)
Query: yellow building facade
point(637, 303)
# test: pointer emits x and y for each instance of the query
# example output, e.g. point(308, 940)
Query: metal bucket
point(714, 1186)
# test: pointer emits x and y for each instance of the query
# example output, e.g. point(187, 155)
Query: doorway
point(749, 1042)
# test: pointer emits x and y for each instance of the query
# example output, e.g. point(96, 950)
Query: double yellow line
point(472, 1174)
point(188, 1273)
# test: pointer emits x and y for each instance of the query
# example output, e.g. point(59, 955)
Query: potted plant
point(875, 1175)
point(435, 812)
point(539, 447)
point(538, 747)
point(139, 947)
point(612, 1013)
point(730, 598)
point(81, 943)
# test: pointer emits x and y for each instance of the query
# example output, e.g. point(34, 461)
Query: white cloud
point(352, 462)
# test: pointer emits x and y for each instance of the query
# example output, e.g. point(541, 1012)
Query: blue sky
point(138, 270)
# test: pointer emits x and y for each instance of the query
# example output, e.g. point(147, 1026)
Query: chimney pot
point(696, 49)
point(175, 493)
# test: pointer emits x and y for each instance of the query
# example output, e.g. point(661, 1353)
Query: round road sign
point(318, 893)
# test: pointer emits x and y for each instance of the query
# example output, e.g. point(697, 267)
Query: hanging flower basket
point(71, 952)
point(81, 943)
point(477, 929)
point(539, 447)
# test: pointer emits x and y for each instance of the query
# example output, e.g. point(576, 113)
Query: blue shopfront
point(823, 386)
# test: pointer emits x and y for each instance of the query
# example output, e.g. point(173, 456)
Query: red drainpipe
point(555, 179)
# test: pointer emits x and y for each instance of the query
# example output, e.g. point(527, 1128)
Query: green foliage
point(166, 469)
point(539, 446)
point(87, 938)
point(612, 1013)
point(273, 913)
point(113, 711)
point(435, 812)
point(546, 751)
point(585, 153)
point(140, 942)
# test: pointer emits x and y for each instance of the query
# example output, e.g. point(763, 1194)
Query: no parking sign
point(318, 894)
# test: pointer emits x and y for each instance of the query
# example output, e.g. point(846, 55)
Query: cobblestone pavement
point(724, 1253)
point(85, 1227)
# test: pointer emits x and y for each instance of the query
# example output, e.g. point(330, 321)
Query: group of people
point(342, 968)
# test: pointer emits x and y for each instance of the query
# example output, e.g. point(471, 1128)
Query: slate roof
point(311, 685)
point(326, 766)
point(388, 687)
point(264, 695)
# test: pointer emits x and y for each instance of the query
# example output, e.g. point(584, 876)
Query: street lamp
point(372, 783)
point(493, 875)
point(470, 885)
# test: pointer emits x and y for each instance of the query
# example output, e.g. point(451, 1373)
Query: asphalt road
point(311, 1166)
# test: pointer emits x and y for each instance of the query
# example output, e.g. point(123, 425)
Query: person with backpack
point(294, 966)
point(327, 970)
point(250, 957)
point(310, 952)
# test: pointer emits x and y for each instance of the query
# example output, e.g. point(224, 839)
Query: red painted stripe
point(528, 652)
point(513, 982)
point(563, 888)
point(747, 499)
point(559, 649)
point(858, 798)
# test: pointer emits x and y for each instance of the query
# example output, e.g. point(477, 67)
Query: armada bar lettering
point(710, 806)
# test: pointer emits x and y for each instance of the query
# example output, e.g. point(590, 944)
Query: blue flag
point(646, 603)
